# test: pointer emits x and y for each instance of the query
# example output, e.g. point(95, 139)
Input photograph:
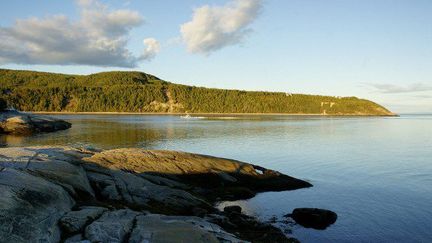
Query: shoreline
point(93, 192)
point(204, 113)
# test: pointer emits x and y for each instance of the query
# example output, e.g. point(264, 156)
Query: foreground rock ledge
point(14, 122)
point(54, 194)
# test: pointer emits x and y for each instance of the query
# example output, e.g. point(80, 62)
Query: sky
point(378, 50)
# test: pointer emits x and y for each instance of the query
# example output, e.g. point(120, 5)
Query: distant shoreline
point(198, 114)
point(136, 91)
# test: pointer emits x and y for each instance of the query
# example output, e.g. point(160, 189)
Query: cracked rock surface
point(63, 194)
point(75, 221)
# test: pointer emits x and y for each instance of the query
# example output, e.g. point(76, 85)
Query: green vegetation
point(140, 92)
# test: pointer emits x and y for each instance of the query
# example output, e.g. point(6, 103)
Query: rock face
point(75, 221)
point(13, 122)
point(30, 207)
point(48, 194)
point(314, 217)
point(53, 164)
point(161, 228)
point(136, 192)
point(217, 178)
point(112, 226)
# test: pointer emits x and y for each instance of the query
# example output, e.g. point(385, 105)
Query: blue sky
point(379, 50)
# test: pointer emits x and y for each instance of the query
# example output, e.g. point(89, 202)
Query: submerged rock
point(313, 217)
point(48, 194)
point(14, 122)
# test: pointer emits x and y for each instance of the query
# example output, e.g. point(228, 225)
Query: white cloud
point(152, 48)
point(98, 38)
point(215, 27)
point(391, 88)
point(85, 3)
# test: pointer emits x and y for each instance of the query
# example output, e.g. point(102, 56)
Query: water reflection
point(96, 132)
point(111, 131)
point(11, 140)
point(376, 173)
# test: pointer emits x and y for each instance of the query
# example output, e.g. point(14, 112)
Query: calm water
point(376, 173)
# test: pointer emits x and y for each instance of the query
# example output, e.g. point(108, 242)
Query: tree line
point(141, 92)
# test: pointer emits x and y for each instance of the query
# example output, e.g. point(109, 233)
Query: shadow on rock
point(54, 194)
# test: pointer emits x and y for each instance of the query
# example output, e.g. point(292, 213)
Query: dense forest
point(141, 92)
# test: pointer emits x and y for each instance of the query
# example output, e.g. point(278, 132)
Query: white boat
point(187, 116)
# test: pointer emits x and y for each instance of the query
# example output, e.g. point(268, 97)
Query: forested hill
point(140, 92)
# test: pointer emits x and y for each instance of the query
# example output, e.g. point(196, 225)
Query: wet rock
point(111, 226)
point(30, 207)
point(160, 228)
point(232, 209)
point(75, 221)
point(313, 217)
point(14, 122)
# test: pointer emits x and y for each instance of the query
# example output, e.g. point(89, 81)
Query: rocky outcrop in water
point(53, 194)
point(14, 122)
point(313, 217)
point(210, 177)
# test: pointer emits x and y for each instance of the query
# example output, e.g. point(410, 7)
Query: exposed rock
point(313, 217)
point(14, 122)
point(137, 192)
point(40, 185)
point(75, 221)
point(30, 207)
point(111, 226)
point(221, 177)
point(104, 186)
point(165, 182)
point(54, 164)
point(160, 228)
point(249, 228)
point(76, 239)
